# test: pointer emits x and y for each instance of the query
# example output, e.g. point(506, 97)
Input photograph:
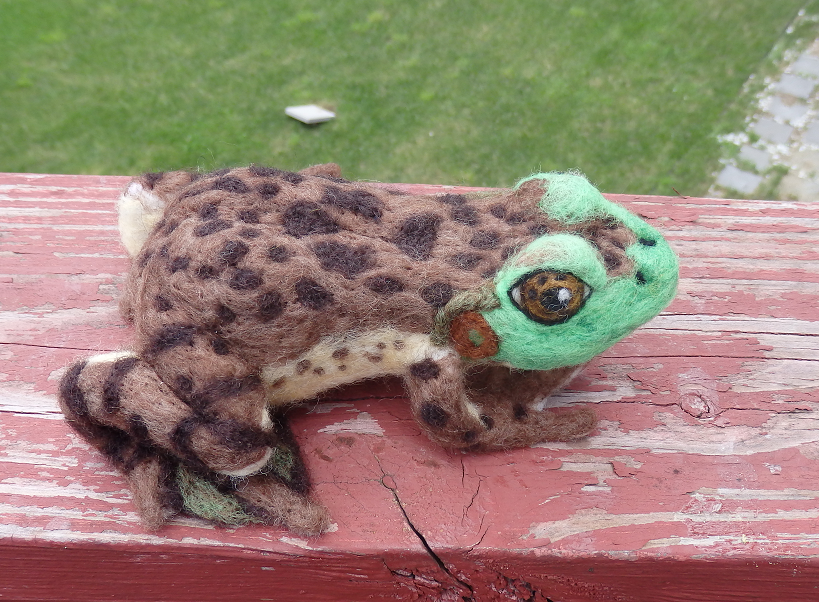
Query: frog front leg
point(492, 409)
point(507, 400)
point(439, 400)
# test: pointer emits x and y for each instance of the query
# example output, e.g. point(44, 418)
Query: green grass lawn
point(474, 92)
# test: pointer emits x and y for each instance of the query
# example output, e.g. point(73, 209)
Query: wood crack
point(388, 482)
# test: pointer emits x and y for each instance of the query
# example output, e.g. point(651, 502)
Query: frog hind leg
point(122, 407)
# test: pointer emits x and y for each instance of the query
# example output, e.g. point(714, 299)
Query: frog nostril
point(641, 279)
point(647, 242)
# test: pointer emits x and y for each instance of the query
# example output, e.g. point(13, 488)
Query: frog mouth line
point(549, 297)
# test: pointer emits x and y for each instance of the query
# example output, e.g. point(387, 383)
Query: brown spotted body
point(258, 287)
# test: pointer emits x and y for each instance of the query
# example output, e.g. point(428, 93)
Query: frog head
point(552, 304)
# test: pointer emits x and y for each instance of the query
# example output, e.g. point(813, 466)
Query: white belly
point(341, 360)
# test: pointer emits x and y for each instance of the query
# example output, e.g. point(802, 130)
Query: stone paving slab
point(786, 126)
point(760, 158)
point(739, 180)
point(796, 85)
point(772, 131)
point(783, 111)
point(806, 65)
point(811, 134)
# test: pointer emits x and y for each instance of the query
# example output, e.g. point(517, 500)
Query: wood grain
point(702, 482)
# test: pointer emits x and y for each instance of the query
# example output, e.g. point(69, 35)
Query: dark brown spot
point(170, 336)
point(248, 216)
point(417, 235)
point(333, 179)
point(305, 217)
point(206, 272)
point(171, 227)
point(452, 199)
point(112, 388)
point(311, 294)
point(271, 305)
point(230, 184)
point(249, 233)
point(341, 353)
point(179, 263)
point(163, 251)
point(470, 436)
point(162, 304)
point(144, 259)
point(233, 252)
point(278, 253)
point(384, 285)
point(508, 252)
point(219, 346)
point(292, 177)
point(374, 357)
point(245, 280)
point(539, 229)
point(342, 368)
point(466, 261)
point(71, 393)
point(225, 315)
point(382, 345)
point(498, 211)
point(425, 370)
point(611, 260)
point(515, 218)
point(208, 211)
point(490, 273)
point(152, 178)
point(465, 214)
point(303, 366)
point(210, 227)
point(437, 294)
point(225, 388)
point(184, 385)
point(485, 239)
point(349, 261)
point(277, 383)
point(359, 202)
point(262, 171)
point(399, 345)
point(434, 415)
point(487, 421)
point(520, 412)
point(318, 371)
point(268, 189)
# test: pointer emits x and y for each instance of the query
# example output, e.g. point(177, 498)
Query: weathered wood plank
point(699, 484)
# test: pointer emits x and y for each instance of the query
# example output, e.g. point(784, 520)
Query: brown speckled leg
point(493, 409)
point(505, 398)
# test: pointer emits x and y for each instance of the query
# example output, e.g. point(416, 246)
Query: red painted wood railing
point(701, 483)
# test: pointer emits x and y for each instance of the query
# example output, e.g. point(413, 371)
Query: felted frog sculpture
point(253, 289)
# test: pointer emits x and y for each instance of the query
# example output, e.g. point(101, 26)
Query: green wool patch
point(615, 306)
point(202, 498)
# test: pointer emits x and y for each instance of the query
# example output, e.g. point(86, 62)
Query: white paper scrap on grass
point(309, 114)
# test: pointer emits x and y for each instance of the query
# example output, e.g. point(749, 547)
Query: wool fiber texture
point(252, 289)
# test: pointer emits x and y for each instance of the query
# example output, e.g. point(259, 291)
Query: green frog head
point(553, 303)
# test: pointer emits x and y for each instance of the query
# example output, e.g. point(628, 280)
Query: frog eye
point(549, 297)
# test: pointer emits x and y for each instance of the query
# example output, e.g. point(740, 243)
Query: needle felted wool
point(255, 288)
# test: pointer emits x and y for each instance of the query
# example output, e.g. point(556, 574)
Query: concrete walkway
point(783, 135)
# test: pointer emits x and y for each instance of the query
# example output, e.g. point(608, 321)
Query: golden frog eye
point(549, 297)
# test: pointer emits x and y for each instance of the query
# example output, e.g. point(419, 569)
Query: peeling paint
point(363, 424)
